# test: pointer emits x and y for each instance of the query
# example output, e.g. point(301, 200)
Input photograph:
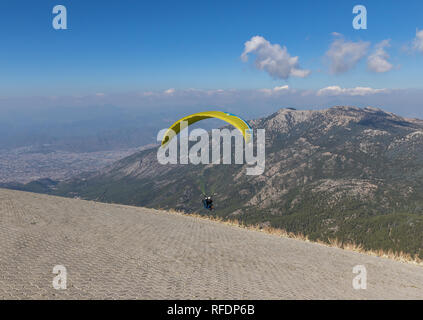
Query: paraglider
point(230, 118)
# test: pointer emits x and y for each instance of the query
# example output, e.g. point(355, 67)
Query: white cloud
point(344, 55)
point(170, 91)
point(273, 59)
point(279, 89)
point(418, 41)
point(357, 91)
point(378, 60)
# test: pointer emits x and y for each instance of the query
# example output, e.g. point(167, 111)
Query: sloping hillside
point(347, 173)
point(115, 252)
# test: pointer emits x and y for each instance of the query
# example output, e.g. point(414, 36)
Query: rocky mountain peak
point(285, 119)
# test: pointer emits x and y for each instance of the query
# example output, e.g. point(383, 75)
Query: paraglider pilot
point(208, 203)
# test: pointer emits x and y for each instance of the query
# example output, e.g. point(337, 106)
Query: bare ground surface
point(122, 252)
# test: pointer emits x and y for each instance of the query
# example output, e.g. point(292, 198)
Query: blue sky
point(113, 47)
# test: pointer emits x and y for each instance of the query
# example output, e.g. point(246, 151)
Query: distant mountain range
point(344, 172)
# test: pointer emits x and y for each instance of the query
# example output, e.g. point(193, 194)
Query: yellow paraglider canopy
point(230, 118)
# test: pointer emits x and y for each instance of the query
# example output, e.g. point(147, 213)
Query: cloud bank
point(249, 103)
point(357, 91)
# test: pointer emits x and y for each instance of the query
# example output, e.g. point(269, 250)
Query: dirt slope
point(117, 252)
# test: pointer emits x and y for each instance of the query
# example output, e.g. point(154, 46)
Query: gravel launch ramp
point(121, 252)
